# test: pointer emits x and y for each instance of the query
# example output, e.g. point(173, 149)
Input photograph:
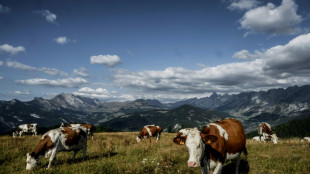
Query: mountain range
point(274, 106)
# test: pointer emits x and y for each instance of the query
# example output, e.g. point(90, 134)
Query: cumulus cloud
point(244, 54)
point(22, 92)
point(279, 66)
point(68, 82)
point(50, 17)
point(81, 72)
point(1, 77)
point(243, 4)
point(103, 94)
point(50, 71)
point(61, 40)
point(4, 9)
point(272, 20)
point(292, 59)
point(6, 48)
point(108, 60)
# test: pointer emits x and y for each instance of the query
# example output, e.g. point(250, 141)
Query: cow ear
point(209, 139)
point(179, 140)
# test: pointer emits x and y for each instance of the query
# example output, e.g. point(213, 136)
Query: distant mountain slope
point(185, 115)
point(274, 106)
point(66, 108)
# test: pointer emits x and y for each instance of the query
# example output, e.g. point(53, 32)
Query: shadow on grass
point(244, 167)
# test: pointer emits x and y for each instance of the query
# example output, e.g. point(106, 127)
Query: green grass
point(119, 153)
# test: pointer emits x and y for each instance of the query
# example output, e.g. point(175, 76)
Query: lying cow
point(264, 129)
point(258, 138)
point(26, 128)
point(305, 139)
point(216, 143)
point(149, 131)
point(89, 128)
point(57, 140)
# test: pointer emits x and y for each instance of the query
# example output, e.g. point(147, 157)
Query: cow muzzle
point(192, 164)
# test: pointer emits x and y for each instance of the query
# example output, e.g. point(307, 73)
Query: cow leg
point(204, 169)
point(84, 152)
point(158, 137)
point(53, 155)
point(237, 165)
point(74, 153)
point(218, 168)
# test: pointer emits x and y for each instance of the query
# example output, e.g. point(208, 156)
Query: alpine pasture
point(118, 152)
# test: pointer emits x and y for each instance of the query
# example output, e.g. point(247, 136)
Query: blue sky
point(120, 50)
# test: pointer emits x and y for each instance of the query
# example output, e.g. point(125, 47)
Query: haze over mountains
point(274, 106)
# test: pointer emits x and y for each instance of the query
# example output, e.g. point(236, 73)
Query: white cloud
point(108, 60)
point(244, 54)
point(1, 77)
point(292, 59)
point(50, 17)
point(22, 92)
point(272, 20)
point(81, 72)
point(4, 9)
point(243, 4)
point(279, 66)
point(104, 94)
point(68, 82)
point(1, 63)
point(61, 40)
point(50, 71)
point(6, 48)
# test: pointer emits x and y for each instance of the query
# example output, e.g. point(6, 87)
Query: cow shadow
point(244, 167)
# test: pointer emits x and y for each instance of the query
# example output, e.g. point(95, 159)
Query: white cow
point(56, 140)
point(26, 128)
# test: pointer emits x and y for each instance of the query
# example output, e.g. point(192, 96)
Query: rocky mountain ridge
point(274, 106)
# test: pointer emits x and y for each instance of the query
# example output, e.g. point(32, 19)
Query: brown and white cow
point(149, 131)
point(26, 128)
point(57, 140)
point(216, 143)
point(264, 129)
point(89, 128)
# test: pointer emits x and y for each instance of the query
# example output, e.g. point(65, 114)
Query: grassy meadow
point(119, 153)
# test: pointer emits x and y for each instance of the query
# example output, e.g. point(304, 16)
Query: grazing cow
point(264, 129)
point(56, 140)
point(149, 131)
point(89, 128)
point(214, 144)
point(306, 139)
point(26, 128)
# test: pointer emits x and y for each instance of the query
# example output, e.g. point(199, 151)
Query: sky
point(169, 50)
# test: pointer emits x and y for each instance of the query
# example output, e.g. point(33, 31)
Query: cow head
point(138, 139)
point(31, 162)
point(191, 138)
